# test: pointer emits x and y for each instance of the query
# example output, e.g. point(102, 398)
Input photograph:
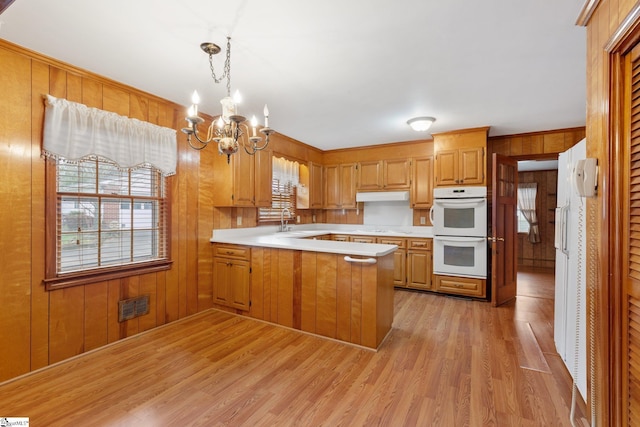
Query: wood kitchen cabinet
point(419, 263)
point(394, 174)
point(464, 166)
point(340, 237)
point(315, 185)
point(243, 182)
point(459, 157)
point(232, 276)
point(362, 239)
point(466, 286)
point(340, 186)
point(399, 260)
point(324, 294)
point(422, 182)
point(370, 175)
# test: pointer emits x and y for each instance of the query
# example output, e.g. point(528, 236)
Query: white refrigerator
point(570, 286)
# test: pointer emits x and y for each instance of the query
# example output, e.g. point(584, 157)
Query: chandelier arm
point(202, 141)
point(203, 146)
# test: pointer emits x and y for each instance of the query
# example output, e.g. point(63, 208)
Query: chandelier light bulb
point(237, 98)
point(195, 98)
point(254, 123)
point(266, 116)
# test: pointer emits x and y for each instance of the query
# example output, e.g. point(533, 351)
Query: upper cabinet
point(244, 182)
point(315, 185)
point(309, 194)
point(384, 175)
point(370, 175)
point(422, 182)
point(460, 157)
point(340, 186)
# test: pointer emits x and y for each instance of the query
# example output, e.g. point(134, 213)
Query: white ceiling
point(335, 73)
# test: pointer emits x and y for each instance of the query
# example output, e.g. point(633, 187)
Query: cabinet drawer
point(424, 244)
point(362, 239)
point(460, 286)
point(402, 243)
point(340, 237)
point(232, 251)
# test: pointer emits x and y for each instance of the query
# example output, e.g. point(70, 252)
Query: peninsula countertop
point(299, 238)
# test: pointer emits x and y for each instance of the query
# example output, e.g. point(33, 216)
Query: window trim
point(54, 280)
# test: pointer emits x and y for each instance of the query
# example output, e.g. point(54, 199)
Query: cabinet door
point(471, 165)
point(332, 186)
point(220, 280)
point(238, 285)
point(419, 269)
point(397, 174)
point(263, 171)
point(347, 185)
point(446, 170)
point(315, 186)
point(370, 175)
point(231, 281)
point(399, 259)
point(400, 268)
point(243, 179)
point(422, 182)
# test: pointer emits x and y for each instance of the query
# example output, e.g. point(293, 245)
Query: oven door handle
point(464, 203)
point(459, 239)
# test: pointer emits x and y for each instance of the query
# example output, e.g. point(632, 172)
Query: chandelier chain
point(227, 68)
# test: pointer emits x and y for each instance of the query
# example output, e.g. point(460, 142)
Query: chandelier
point(231, 129)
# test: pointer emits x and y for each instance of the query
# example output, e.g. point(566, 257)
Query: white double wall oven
point(459, 218)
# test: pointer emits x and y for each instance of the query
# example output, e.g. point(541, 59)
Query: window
point(523, 224)
point(283, 191)
point(107, 217)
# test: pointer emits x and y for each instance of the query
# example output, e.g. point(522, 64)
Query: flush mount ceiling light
point(231, 129)
point(421, 124)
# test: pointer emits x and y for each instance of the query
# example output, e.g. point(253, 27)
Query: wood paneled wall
point(603, 19)
point(542, 254)
point(535, 144)
point(43, 327)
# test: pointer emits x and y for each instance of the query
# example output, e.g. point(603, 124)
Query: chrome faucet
point(284, 225)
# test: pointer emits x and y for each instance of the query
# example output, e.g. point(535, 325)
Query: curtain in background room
point(527, 204)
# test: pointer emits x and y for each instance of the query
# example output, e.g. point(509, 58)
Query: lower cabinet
point(399, 260)
point(232, 276)
point(461, 286)
point(419, 263)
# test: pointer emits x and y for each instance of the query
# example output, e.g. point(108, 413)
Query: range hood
point(382, 196)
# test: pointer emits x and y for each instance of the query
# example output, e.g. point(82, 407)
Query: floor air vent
point(133, 307)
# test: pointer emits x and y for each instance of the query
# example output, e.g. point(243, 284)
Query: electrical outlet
point(313, 218)
point(298, 219)
point(239, 221)
point(423, 220)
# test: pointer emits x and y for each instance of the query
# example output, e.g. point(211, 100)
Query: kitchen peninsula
point(337, 289)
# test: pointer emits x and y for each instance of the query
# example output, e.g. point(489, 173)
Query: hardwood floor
point(447, 362)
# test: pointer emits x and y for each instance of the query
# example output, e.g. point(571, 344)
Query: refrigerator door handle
point(565, 239)
point(560, 238)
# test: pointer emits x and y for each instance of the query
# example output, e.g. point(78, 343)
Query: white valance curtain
point(74, 131)
point(527, 204)
point(286, 171)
